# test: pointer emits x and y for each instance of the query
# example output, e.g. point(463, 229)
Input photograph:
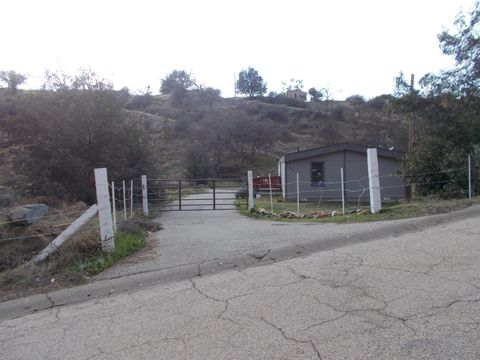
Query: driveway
point(410, 296)
point(215, 240)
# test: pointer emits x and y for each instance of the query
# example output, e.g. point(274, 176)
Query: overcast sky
point(350, 46)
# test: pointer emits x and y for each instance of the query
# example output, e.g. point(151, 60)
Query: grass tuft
point(125, 245)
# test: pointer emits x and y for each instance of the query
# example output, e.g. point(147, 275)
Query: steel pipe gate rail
point(196, 194)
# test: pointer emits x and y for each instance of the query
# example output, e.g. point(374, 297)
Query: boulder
point(27, 214)
point(320, 215)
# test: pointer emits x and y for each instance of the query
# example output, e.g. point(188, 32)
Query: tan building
point(296, 94)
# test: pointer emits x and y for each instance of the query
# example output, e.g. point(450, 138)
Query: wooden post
point(374, 181)
point(104, 210)
point(114, 208)
point(144, 195)
point(251, 203)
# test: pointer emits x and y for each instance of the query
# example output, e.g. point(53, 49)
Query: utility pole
point(410, 120)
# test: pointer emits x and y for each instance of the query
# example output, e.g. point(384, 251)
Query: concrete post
point(145, 195)
point(104, 210)
point(67, 233)
point(271, 196)
point(124, 201)
point(298, 194)
point(251, 203)
point(131, 198)
point(114, 208)
point(343, 191)
point(374, 181)
point(469, 176)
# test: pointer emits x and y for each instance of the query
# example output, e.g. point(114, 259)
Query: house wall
point(355, 177)
point(331, 189)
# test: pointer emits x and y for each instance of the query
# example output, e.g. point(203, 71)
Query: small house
point(296, 94)
point(319, 173)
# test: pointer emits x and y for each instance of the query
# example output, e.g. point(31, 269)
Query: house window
point(317, 176)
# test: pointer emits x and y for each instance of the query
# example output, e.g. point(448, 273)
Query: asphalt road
point(410, 295)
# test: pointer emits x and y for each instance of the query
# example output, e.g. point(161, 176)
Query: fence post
point(145, 195)
point(214, 200)
point(298, 195)
point(114, 209)
point(343, 191)
point(469, 176)
point(179, 194)
point(270, 186)
point(104, 210)
point(374, 181)
point(251, 204)
point(124, 201)
point(131, 198)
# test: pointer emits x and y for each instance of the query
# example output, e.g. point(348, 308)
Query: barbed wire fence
point(349, 196)
point(114, 204)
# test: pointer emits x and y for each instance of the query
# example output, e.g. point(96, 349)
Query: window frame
point(320, 182)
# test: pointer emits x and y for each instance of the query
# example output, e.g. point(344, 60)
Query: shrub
point(61, 136)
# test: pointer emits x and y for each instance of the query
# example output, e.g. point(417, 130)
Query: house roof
point(323, 150)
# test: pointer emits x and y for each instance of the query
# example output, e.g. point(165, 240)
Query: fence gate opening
point(196, 194)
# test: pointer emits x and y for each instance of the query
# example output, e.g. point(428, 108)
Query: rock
point(261, 211)
point(362, 212)
point(334, 213)
point(320, 215)
point(27, 214)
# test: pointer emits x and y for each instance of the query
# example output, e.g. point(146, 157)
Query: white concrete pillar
point(104, 209)
point(145, 195)
point(374, 181)
point(251, 203)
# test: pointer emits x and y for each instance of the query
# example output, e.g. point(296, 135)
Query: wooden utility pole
point(410, 120)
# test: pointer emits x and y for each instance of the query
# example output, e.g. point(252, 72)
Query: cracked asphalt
point(410, 295)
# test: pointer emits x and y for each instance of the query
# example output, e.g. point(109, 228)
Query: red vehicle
point(261, 183)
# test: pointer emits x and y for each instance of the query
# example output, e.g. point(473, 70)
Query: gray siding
point(355, 177)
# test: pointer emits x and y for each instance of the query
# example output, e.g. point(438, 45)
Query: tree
point(445, 111)
point(251, 83)
point(197, 163)
point(62, 135)
point(12, 79)
point(464, 46)
point(316, 95)
point(355, 99)
point(177, 79)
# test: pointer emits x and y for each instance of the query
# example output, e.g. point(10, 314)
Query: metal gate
point(196, 194)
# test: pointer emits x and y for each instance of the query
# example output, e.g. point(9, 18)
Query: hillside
point(227, 129)
point(197, 135)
